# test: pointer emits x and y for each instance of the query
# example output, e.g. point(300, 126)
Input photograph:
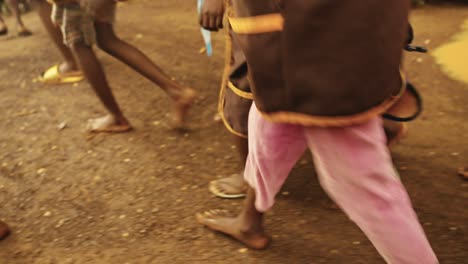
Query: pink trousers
point(355, 169)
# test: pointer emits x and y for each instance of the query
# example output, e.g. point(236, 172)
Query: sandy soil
point(131, 198)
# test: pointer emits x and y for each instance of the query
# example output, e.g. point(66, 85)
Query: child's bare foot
point(234, 227)
point(4, 230)
point(230, 187)
point(181, 105)
point(24, 32)
point(108, 124)
point(463, 171)
point(3, 29)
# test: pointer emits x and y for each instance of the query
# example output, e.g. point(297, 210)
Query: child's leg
point(110, 43)
point(45, 10)
point(78, 31)
point(3, 27)
point(14, 8)
point(234, 109)
point(247, 227)
point(128, 54)
point(273, 151)
point(356, 169)
point(394, 131)
point(236, 117)
point(4, 230)
point(94, 73)
point(242, 145)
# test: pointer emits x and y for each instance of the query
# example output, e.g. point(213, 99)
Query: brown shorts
point(77, 21)
point(235, 97)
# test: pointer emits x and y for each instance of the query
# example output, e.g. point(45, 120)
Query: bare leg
point(45, 10)
point(242, 145)
point(274, 149)
point(247, 227)
point(233, 186)
point(4, 230)
point(182, 96)
point(3, 27)
point(394, 131)
point(22, 30)
point(115, 122)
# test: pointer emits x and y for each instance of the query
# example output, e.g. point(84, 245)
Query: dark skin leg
point(45, 10)
point(94, 73)
point(2, 24)
point(247, 227)
point(242, 145)
point(4, 230)
point(182, 96)
point(394, 131)
point(13, 6)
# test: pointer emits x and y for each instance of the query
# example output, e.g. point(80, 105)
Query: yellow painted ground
point(453, 57)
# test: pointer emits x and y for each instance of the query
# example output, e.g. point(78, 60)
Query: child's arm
point(211, 17)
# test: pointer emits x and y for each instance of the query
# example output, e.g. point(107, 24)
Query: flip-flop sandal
point(53, 76)
point(463, 172)
point(215, 189)
point(111, 129)
point(402, 133)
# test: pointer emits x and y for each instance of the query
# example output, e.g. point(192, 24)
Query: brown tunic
point(331, 63)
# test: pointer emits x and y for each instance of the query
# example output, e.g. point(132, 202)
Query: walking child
point(236, 97)
point(22, 30)
point(67, 71)
point(86, 22)
point(321, 79)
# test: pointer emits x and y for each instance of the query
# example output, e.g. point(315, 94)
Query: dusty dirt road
point(131, 198)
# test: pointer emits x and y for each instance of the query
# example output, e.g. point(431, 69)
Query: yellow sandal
point(53, 76)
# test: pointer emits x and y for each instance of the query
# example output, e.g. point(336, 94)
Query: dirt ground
point(131, 198)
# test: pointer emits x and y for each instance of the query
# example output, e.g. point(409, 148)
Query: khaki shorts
point(77, 20)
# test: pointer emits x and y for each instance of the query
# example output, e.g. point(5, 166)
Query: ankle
point(249, 225)
point(173, 91)
point(68, 66)
point(72, 65)
point(120, 119)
